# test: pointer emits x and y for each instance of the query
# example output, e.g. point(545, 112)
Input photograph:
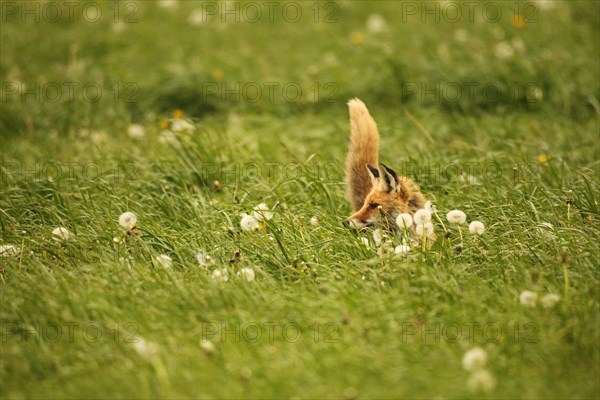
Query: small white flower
point(182, 125)
point(376, 23)
point(428, 228)
point(9, 250)
point(204, 259)
point(456, 217)
point(249, 222)
point(474, 359)
point(136, 131)
point(145, 349)
point(314, 221)
point(481, 381)
point(377, 236)
point(164, 260)
point(549, 300)
point(528, 298)
point(402, 249)
point(476, 228)
point(504, 51)
point(221, 275)
point(61, 234)
point(247, 273)
point(127, 220)
point(262, 211)
point(207, 346)
point(422, 216)
point(404, 220)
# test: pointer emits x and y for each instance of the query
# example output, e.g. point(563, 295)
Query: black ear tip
point(373, 170)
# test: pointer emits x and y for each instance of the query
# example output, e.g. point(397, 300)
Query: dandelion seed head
point(481, 381)
point(504, 51)
point(456, 217)
point(207, 346)
point(404, 220)
point(204, 259)
point(476, 228)
point(164, 260)
point(376, 23)
point(262, 212)
point(136, 131)
point(528, 298)
point(314, 221)
point(422, 216)
point(550, 300)
point(429, 206)
point(144, 348)
point(182, 125)
point(247, 273)
point(127, 220)
point(61, 234)
point(9, 250)
point(427, 228)
point(474, 359)
point(220, 275)
point(402, 249)
point(249, 222)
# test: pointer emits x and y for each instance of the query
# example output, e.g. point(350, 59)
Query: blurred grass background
point(72, 163)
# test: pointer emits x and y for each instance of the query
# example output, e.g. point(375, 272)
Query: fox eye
point(373, 206)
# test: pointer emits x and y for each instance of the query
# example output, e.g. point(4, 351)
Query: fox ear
point(373, 173)
point(389, 181)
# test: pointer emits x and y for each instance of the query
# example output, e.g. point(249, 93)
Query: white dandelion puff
point(376, 23)
point(164, 260)
point(476, 228)
point(456, 217)
point(204, 259)
point(504, 51)
point(549, 300)
point(404, 220)
point(61, 234)
point(377, 236)
point(249, 222)
point(402, 249)
point(422, 216)
point(9, 250)
point(429, 206)
point(127, 220)
point(220, 275)
point(182, 125)
point(247, 273)
point(207, 346)
point(136, 131)
point(314, 221)
point(474, 359)
point(528, 298)
point(262, 212)
point(427, 228)
point(481, 381)
point(144, 348)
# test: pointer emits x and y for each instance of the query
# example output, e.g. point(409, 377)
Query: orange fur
point(376, 194)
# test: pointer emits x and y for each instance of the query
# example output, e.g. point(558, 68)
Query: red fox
point(375, 192)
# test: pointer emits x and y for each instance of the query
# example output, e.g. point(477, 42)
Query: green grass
point(337, 319)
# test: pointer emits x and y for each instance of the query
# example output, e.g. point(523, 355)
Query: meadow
point(190, 114)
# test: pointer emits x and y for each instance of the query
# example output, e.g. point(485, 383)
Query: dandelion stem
point(440, 220)
point(568, 213)
point(461, 235)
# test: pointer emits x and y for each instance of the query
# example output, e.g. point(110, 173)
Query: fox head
point(389, 197)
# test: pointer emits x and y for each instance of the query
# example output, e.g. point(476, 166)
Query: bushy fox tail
point(363, 149)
